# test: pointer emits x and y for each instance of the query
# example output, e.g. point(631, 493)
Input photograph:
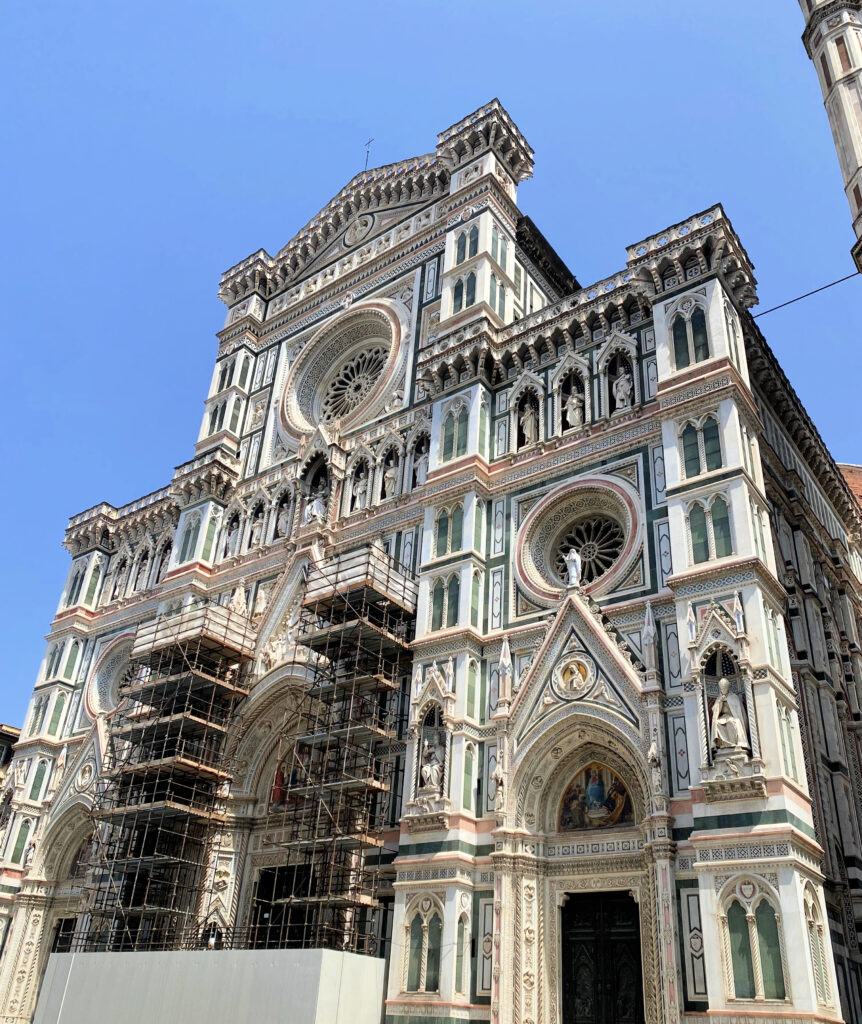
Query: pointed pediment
point(579, 664)
point(616, 341)
point(78, 774)
point(434, 688)
point(715, 625)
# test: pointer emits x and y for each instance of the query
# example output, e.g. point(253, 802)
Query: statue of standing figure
point(231, 541)
point(256, 531)
point(499, 778)
point(529, 420)
point(575, 409)
point(315, 509)
point(282, 522)
point(432, 765)
point(360, 490)
point(623, 389)
point(728, 730)
point(573, 566)
point(238, 604)
point(421, 468)
point(390, 480)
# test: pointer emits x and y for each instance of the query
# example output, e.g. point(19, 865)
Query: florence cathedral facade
point(501, 631)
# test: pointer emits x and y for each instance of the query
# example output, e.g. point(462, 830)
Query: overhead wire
point(798, 298)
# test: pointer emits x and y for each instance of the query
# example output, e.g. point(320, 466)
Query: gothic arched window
point(475, 593)
point(77, 584)
point(438, 600)
point(817, 948)
point(698, 533)
point(701, 447)
point(719, 520)
point(754, 940)
point(470, 707)
point(470, 290)
point(462, 956)
point(415, 956)
point(432, 958)
point(38, 779)
point(473, 247)
point(709, 530)
point(690, 338)
point(93, 585)
point(455, 433)
point(56, 714)
point(461, 248)
point(769, 947)
point(453, 593)
point(190, 538)
point(457, 539)
point(740, 951)
point(424, 935)
point(21, 841)
point(72, 660)
point(469, 763)
point(442, 545)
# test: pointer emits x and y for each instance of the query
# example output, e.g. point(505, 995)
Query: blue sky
point(148, 147)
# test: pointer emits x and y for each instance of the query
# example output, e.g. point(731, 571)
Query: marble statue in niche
point(728, 729)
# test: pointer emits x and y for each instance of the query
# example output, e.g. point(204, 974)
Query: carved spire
point(649, 640)
point(505, 667)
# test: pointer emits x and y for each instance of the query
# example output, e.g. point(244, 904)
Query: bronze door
point(601, 969)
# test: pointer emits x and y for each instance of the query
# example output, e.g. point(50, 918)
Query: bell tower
point(833, 41)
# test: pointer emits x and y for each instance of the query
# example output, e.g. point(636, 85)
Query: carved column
point(19, 971)
point(669, 982)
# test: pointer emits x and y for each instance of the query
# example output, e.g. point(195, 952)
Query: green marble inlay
point(748, 820)
point(445, 846)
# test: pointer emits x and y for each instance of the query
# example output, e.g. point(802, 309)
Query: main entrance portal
point(601, 966)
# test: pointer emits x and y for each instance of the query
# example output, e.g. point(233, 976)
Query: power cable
point(806, 295)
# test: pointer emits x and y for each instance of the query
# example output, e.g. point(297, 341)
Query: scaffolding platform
point(208, 626)
point(368, 572)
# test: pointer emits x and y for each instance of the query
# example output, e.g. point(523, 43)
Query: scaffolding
point(332, 796)
point(165, 780)
point(162, 798)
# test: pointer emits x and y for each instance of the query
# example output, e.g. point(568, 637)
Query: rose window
point(353, 382)
point(598, 539)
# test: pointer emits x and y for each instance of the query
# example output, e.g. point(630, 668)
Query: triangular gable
point(715, 625)
point(610, 682)
point(74, 785)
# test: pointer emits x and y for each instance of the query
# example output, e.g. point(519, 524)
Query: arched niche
point(559, 758)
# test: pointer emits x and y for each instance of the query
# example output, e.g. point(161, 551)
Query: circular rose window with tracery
point(599, 540)
point(353, 383)
point(597, 516)
point(346, 371)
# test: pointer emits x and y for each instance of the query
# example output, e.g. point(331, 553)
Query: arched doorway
point(580, 933)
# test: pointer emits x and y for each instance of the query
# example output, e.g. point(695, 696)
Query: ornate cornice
point(821, 13)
